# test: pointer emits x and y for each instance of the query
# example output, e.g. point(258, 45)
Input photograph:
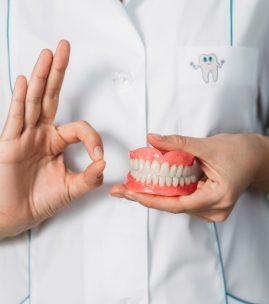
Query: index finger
point(82, 131)
point(54, 82)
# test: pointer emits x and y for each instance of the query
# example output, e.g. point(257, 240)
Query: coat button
point(122, 79)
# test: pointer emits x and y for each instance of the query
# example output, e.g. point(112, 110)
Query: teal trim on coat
point(28, 297)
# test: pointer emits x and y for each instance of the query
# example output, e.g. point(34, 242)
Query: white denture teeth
point(136, 164)
point(147, 166)
point(155, 179)
point(141, 164)
point(138, 176)
point(143, 178)
point(164, 171)
point(155, 167)
point(149, 179)
point(168, 181)
point(161, 181)
point(179, 171)
point(186, 171)
point(148, 172)
point(193, 179)
point(173, 171)
point(188, 180)
point(175, 181)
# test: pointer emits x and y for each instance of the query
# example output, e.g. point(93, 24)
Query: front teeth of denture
point(173, 171)
point(164, 171)
point(155, 179)
point(155, 167)
point(148, 172)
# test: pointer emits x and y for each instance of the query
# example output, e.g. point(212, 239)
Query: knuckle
point(59, 68)
point(52, 93)
point(35, 100)
point(41, 77)
point(181, 141)
point(16, 116)
point(83, 124)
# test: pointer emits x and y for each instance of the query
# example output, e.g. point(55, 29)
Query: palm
point(34, 180)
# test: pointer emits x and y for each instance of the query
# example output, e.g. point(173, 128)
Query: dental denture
point(161, 173)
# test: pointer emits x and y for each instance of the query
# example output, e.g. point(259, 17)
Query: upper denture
point(172, 157)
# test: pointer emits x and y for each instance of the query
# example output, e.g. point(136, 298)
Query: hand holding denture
point(230, 163)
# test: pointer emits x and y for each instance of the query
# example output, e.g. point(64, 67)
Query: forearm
point(261, 181)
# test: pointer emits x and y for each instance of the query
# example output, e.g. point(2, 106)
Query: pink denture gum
point(161, 173)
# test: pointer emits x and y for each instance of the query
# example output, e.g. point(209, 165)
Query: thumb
point(196, 146)
point(80, 183)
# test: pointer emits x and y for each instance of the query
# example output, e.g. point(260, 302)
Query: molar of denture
point(181, 181)
point(175, 181)
point(161, 180)
point(155, 167)
point(147, 166)
point(155, 179)
point(179, 171)
point(187, 180)
point(193, 179)
point(164, 171)
point(168, 181)
point(173, 171)
point(186, 171)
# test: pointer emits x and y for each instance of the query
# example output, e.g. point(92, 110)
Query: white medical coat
point(130, 73)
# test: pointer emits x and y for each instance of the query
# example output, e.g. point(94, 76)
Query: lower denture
point(161, 173)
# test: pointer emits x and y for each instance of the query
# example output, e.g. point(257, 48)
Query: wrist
point(261, 176)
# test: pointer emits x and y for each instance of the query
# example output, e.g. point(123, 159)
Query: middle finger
point(36, 88)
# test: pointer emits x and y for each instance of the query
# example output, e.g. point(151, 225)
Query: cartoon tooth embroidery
point(209, 64)
point(161, 173)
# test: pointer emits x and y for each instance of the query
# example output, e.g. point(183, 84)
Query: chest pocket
point(217, 89)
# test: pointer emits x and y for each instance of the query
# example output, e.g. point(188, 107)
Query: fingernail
point(157, 136)
point(100, 175)
point(98, 153)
